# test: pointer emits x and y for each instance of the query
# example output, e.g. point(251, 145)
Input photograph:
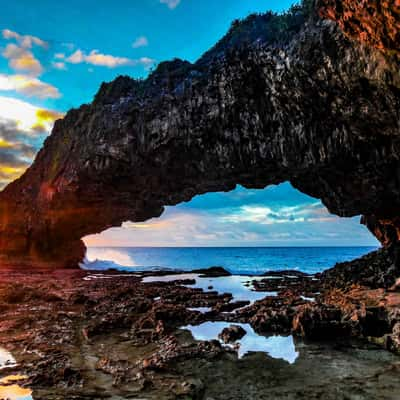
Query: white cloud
point(106, 60)
point(141, 41)
point(69, 46)
point(25, 41)
point(172, 4)
point(26, 116)
point(59, 65)
point(31, 87)
point(313, 212)
point(146, 61)
point(22, 127)
point(21, 59)
point(181, 227)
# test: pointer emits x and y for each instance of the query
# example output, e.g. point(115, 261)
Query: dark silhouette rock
point(232, 334)
point(212, 272)
point(294, 98)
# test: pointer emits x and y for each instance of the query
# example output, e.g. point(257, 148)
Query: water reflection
point(10, 390)
point(6, 359)
point(240, 287)
point(281, 347)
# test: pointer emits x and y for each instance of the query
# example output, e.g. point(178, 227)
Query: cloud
point(59, 65)
point(23, 127)
point(106, 60)
point(311, 212)
point(20, 55)
point(45, 119)
point(98, 59)
point(15, 155)
point(26, 116)
point(276, 216)
point(172, 4)
point(25, 41)
point(146, 61)
point(180, 227)
point(21, 59)
point(141, 41)
point(31, 87)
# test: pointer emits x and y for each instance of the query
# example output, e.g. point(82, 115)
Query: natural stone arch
point(314, 107)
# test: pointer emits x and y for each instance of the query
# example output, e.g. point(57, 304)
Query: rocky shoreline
point(90, 335)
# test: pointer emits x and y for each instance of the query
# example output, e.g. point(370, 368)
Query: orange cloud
point(22, 59)
point(44, 118)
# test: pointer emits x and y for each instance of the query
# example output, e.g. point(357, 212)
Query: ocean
point(237, 260)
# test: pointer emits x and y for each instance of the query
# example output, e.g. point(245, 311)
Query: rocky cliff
point(311, 97)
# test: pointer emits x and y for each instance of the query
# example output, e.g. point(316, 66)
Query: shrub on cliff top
point(269, 27)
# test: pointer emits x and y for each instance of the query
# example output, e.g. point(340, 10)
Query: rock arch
point(317, 104)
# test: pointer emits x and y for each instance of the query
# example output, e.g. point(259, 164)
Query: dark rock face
point(313, 107)
point(374, 270)
point(232, 334)
point(212, 272)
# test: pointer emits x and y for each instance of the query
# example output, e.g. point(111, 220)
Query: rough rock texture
point(375, 270)
point(313, 107)
point(232, 333)
point(87, 335)
point(376, 22)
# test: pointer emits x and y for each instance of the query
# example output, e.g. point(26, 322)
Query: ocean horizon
point(249, 260)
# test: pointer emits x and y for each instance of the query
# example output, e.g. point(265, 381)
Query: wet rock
point(392, 341)
point(320, 322)
point(374, 270)
point(231, 306)
point(171, 351)
point(273, 320)
point(232, 333)
point(193, 388)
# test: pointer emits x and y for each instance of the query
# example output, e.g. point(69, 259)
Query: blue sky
point(54, 55)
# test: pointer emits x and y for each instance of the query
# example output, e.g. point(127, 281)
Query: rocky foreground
point(90, 335)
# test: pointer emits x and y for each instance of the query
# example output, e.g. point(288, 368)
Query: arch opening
point(246, 231)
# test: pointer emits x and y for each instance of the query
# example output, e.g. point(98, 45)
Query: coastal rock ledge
point(311, 97)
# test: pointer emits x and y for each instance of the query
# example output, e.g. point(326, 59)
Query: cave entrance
point(245, 231)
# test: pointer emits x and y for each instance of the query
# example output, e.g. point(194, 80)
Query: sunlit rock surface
point(316, 104)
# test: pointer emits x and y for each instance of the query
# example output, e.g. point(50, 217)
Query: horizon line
point(232, 247)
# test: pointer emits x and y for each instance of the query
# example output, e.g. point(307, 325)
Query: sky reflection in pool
point(14, 391)
point(239, 286)
point(9, 388)
point(202, 310)
point(6, 359)
point(280, 347)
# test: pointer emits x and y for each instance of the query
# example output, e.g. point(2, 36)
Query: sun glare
point(26, 116)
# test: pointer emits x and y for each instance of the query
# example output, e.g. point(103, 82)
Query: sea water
point(237, 260)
